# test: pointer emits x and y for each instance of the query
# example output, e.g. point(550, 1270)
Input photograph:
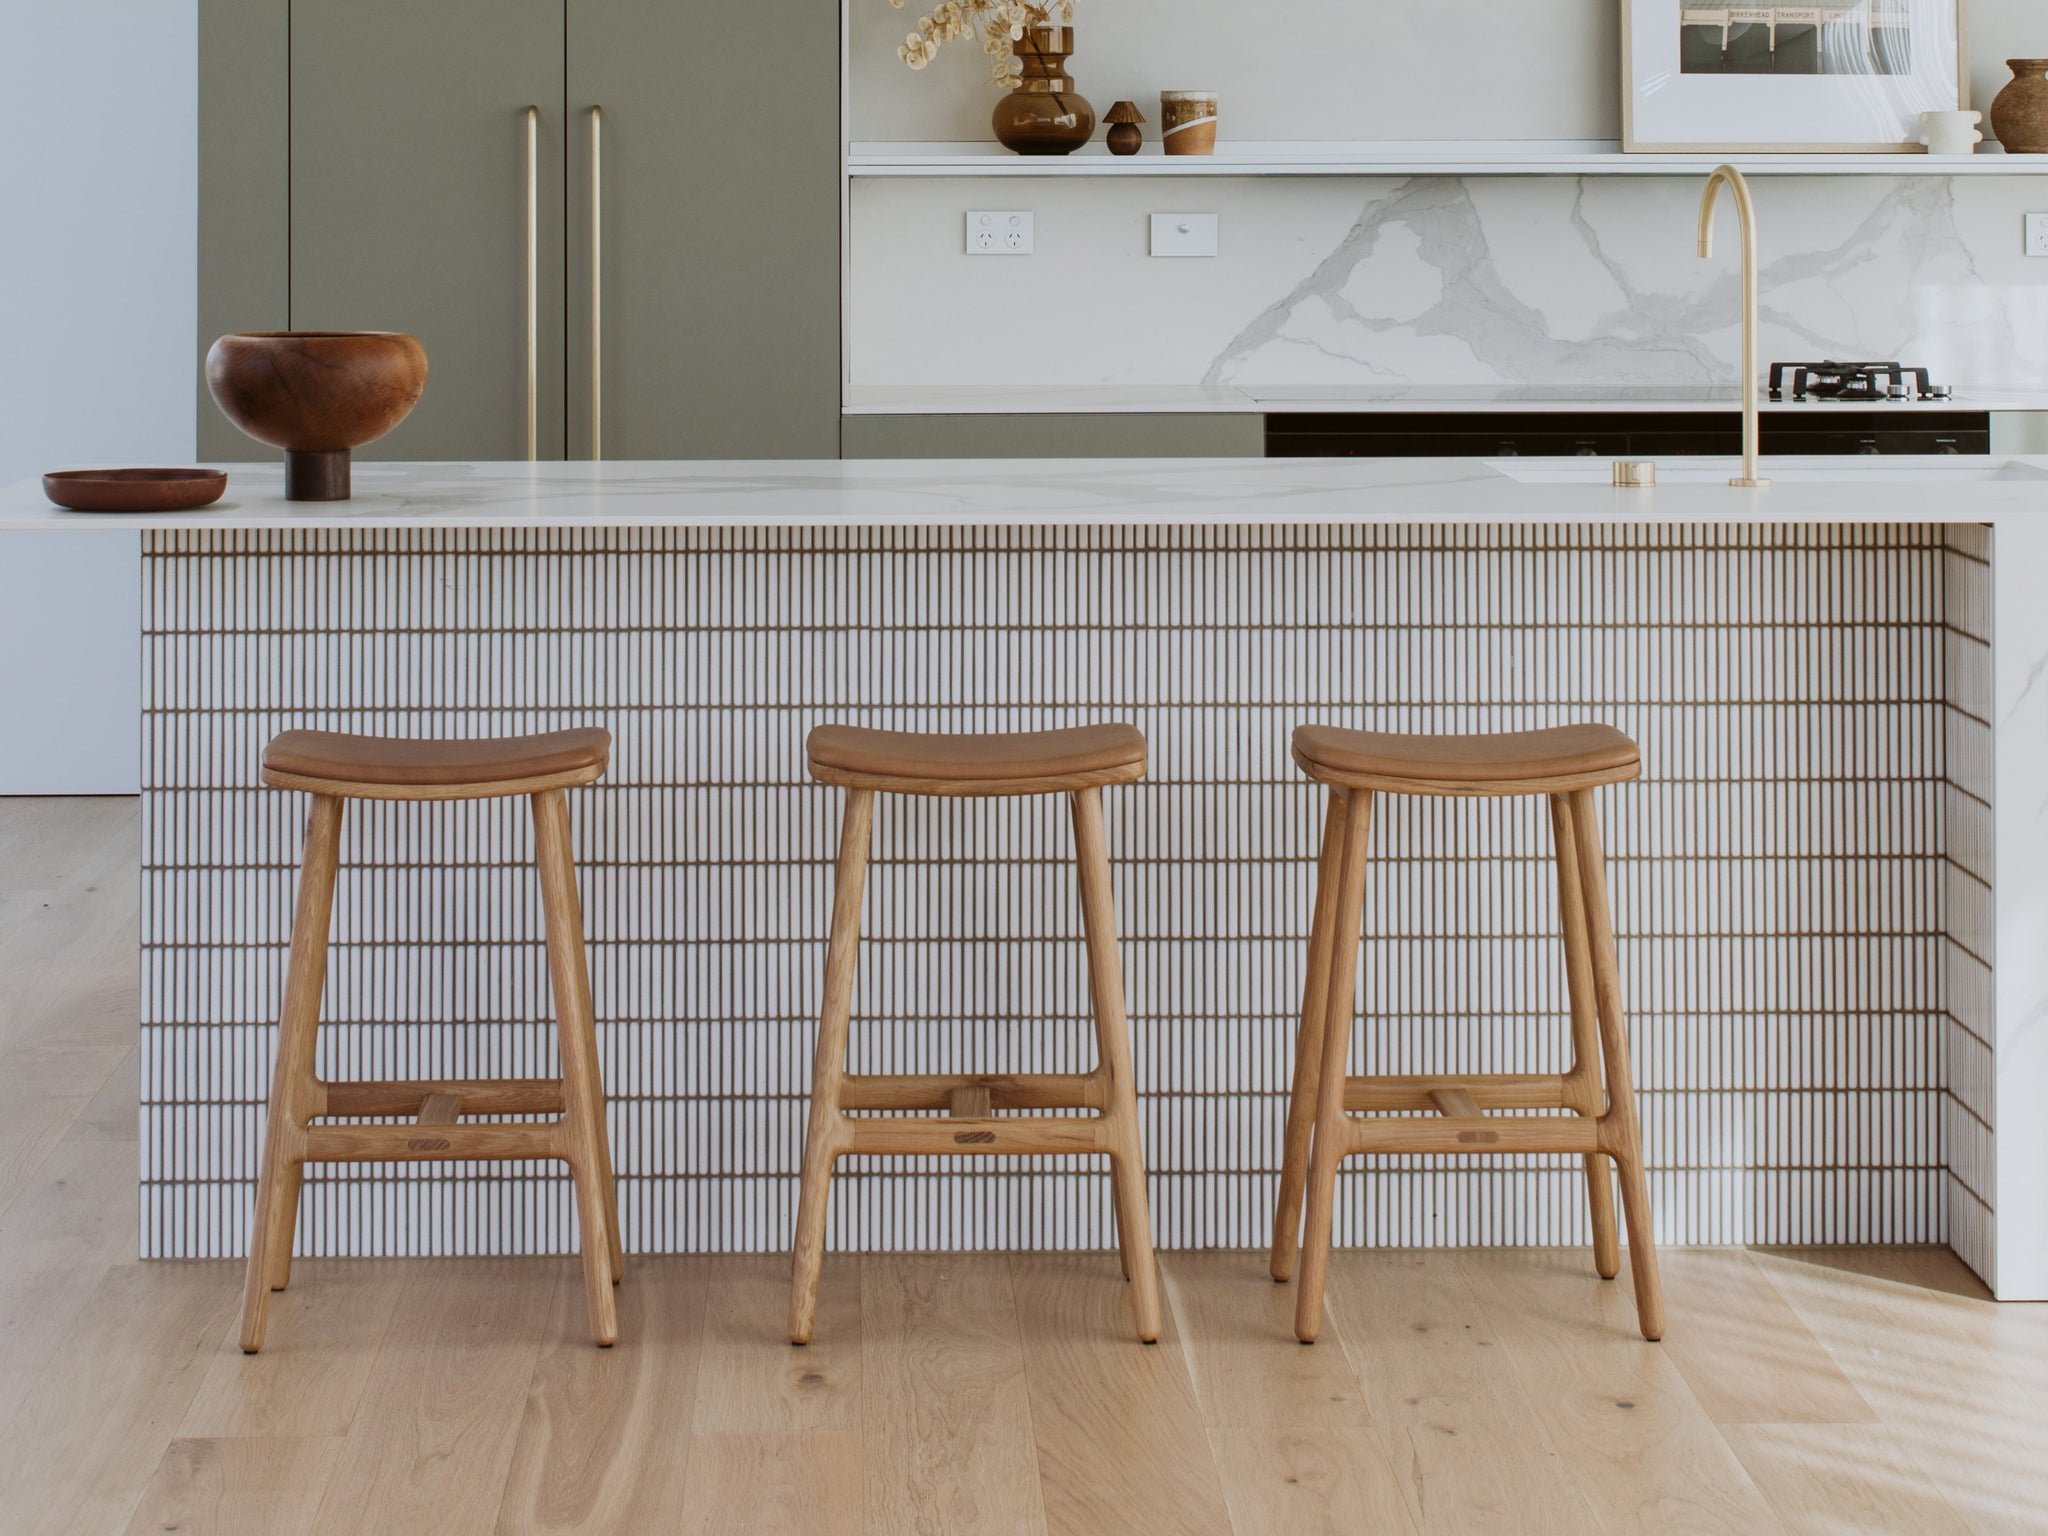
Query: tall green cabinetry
point(672, 198)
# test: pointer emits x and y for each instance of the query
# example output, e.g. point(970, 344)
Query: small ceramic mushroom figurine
point(1123, 137)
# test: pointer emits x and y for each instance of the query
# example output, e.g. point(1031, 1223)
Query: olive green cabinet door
point(716, 323)
point(409, 205)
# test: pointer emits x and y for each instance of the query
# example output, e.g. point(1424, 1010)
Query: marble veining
point(987, 492)
point(1433, 281)
point(1418, 291)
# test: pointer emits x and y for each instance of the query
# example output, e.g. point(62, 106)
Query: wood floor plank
point(95, 1423)
point(1744, 1352)
point(1842, 1480)
point(1952, 1375)
point(753, 1380)
point(268, 1486)
point(605, 1432)
point(49, 1077)
point(1937, 1290)
point(44, 839)
point(1301, 1482)
point(1459, 1431)
point(71, 1223)
point(946, 1437)
point(433, 1436)
point(52, 938)
point(1638, 1445)
point(773, 1484)
point(1249, 1370)
point(1121, 1443)
point(323, 1339)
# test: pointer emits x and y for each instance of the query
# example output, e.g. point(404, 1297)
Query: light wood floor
point(1848, 1391)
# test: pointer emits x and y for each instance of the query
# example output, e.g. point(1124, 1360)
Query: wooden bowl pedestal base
point(316, 474)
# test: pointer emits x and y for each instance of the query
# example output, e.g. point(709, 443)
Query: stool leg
point(1627, 1136)
point(294, 1095)
point(824, 1135)
point(1113, 1037)
point(582, 1129)
point(1333, 1126)
point(1583, 1081)
point(1308, 1044)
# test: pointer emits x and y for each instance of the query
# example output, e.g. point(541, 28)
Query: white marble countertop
point(1254, 399)
point(929, 492)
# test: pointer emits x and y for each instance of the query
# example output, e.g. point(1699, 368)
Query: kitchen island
point(1837, 684)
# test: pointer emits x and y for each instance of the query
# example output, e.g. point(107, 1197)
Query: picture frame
point(1835, 77)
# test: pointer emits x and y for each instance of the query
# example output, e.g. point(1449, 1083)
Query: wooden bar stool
point(333, 767)
point(1075, 763)
point(1566, 764)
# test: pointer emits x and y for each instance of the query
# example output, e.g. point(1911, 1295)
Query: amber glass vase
point(1043, 116)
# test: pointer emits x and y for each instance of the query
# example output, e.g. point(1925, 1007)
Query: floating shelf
point(1468, 157)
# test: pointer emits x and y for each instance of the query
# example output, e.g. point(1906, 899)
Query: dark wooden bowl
point(316, 395)
point(134, 490)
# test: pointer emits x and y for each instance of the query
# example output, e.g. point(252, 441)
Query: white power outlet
point(2037, 234)
point(999, 234)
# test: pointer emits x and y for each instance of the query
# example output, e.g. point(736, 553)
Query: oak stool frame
point(1322, 1124)
point(965, 1104)
point(299, 1098)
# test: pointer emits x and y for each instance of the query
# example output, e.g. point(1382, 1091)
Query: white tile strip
point(1801, 1025)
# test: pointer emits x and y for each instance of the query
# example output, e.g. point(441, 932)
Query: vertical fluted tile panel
point(1969, 1023)
point(1779, 873)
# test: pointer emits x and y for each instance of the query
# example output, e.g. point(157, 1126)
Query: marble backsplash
point(1437, 281)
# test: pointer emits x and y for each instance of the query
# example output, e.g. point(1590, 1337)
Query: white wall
point(1331, 69)
point(98, 296)
point(1314, 69)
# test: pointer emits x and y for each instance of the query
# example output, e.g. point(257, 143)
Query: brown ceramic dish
point(316, 395)
point(134, 490)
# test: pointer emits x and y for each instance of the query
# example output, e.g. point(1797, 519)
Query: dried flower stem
point(1001, 23)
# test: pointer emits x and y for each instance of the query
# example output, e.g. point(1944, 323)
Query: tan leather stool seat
point(851, 754)
point(337, 757)
point(1589, 753)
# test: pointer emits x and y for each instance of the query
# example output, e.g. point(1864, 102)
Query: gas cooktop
point(1858, 383)
point(1627, 397)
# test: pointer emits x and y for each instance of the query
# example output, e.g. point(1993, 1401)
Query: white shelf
point(1469, 157)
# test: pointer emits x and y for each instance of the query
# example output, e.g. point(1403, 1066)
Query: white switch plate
point(1183, 234)
point(2037, 234)
point(999, 234)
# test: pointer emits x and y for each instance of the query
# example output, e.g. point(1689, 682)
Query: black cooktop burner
point(1861, 382)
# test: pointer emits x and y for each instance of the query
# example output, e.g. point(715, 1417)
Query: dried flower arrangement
point(1001, 23)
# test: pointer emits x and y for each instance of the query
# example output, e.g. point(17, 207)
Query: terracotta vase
point(1043, 116)
point(2019, 113)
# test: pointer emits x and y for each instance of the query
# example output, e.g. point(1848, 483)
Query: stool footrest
point(430, 1143)
point(1493, 1090)
point(935, 1090)
point(1033, 1136)
point(483, 1096)
point(1531, 1133)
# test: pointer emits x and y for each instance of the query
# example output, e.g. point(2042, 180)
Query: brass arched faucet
point(1746, 213)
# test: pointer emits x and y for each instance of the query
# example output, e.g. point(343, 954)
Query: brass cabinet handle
point(533, 283)
point(596, 283)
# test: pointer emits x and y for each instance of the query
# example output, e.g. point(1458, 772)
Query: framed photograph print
point(1845, 75)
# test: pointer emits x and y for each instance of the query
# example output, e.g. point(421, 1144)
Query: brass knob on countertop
point(1635, 472)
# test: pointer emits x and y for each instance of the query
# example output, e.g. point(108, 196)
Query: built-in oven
point(1818, 429)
